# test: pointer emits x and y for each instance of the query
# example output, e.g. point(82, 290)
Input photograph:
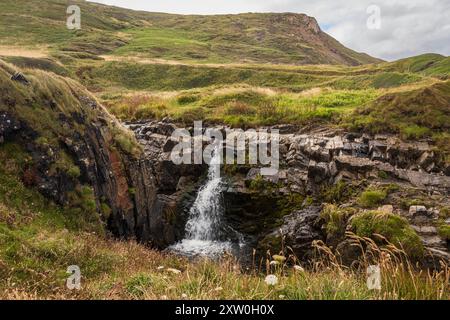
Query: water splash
point(203, 229)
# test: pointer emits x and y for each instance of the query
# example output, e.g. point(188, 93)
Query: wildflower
point(184, 296)
point(281, 296)
point(271, 280)
point(274, 263)
point(279, 258)
point(299, 268)
point(174, 271)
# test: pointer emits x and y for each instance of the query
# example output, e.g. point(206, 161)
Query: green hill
point(428, 64)
point(275, 38)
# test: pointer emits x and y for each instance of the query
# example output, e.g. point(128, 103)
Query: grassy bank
point(39, 240)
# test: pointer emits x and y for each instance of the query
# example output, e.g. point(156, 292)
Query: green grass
point(393, 79)
point(38, 63)
point(336, 219)
point(168, 44)
point(394, 228)
point(444, 231)
point(427, 64)
point(413, 114)
point(371, 198)
point(166, 77)
point(242, 105)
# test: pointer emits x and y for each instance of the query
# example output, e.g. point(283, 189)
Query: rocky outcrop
point(425, 222)
point(308, 162)
point(297, 232)
point(82, 157)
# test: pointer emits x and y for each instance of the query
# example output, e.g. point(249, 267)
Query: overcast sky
point(408, 27)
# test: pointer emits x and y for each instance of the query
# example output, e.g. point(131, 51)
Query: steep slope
point(275, 38)
point(429, 64)
point(417, 113)
point(422, 113)
point(73, 152)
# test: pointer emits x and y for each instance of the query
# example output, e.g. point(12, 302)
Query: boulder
point(299, 230)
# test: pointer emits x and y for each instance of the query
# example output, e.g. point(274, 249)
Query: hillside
point(268, 38)
point(86, 119)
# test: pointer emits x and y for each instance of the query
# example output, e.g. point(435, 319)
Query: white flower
point(271, 280)
point(174, 271)
point(274, 263)
point(279, 258)
point(298, 268)
point(281, 296)
point(184, 296)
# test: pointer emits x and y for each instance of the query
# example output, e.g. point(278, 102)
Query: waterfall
point(205, 214)
point(203, 229)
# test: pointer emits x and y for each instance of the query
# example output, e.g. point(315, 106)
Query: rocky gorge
point(313, 166)
point(123, 176)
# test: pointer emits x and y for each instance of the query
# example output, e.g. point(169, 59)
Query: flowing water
point(204, 229)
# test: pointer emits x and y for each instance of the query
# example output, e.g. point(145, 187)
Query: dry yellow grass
point(11, 51)
point(137, 272)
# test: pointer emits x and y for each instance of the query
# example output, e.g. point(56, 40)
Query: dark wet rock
point(299, 230)
point(318, 172)
point(347, 252)
point(19, 77)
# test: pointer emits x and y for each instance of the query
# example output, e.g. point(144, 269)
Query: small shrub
point(382, 174)
point(337, 193)
point(415, 132)
point(395, 228)
point(269, 113)
point(187, 99)
point(126, 142)
point(258, 184)
point(372, 198)
point(74, 172)
point(42, 141)
point(238, 108)
point(335, 219)
point(444, 231)
point(444, 213)
point(106, 210)
point(138, 284)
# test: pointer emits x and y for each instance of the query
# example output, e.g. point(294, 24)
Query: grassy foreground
point(39, 240)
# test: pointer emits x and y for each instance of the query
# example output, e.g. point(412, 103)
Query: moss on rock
point(394, 228)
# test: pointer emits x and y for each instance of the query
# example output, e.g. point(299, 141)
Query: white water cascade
point(203, 227)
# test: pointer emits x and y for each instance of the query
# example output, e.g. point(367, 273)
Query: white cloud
point(408, 27)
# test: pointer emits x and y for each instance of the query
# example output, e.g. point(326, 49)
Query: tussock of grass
point(393, 227)
point(371, 198)
point(336, 219)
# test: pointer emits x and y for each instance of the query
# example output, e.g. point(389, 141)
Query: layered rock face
point(81, 157)
point(308, 163)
